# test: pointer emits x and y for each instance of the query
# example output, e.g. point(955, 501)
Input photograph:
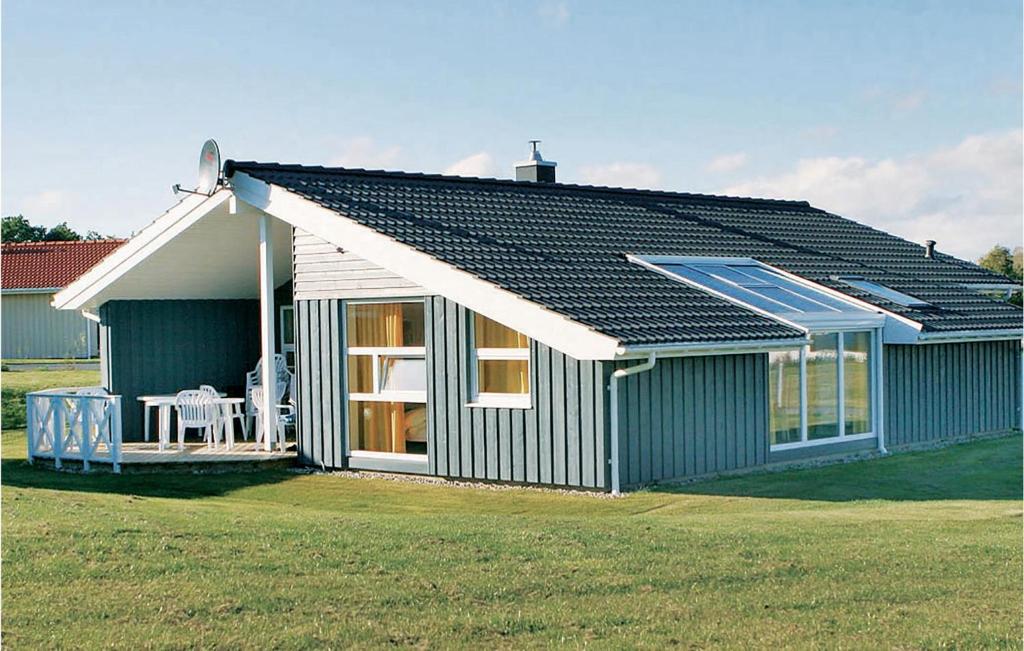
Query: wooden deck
point(243, 451)
point(146, 455)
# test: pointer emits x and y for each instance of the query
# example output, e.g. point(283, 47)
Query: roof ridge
point(231, 166)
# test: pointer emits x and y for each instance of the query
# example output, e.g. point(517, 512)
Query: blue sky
point(905, 115)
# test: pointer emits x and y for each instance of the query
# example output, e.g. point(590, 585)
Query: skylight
point(887, 293)
point(757, 285)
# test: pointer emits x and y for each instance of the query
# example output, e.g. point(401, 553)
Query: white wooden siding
point(33, 329)
point(322, 270)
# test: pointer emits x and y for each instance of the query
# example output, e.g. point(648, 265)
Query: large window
point(387, 377)
point(822, 392)
point(500, 365)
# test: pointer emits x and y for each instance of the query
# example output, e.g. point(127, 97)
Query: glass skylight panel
point(758, 286)
point(887, 293)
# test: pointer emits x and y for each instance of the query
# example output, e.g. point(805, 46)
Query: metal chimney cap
point(929, 248)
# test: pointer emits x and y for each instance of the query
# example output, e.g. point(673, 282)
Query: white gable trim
point(150, 239)
point(437, 277)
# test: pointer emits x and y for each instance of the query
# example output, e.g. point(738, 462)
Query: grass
point(17, 382)
point(915, 550)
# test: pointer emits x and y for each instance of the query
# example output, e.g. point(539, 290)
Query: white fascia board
point(704, 348)
point(437, 277)
point(31, 290)
point(970, 335)
point(164, 229)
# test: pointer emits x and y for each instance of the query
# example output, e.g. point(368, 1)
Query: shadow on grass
point(158, 483)
point(980, 470)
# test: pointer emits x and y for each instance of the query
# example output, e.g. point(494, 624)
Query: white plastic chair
point(254, 378)
point(257, 398)
point(196, 410)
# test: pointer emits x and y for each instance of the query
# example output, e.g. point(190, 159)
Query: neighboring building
point(528, 331)
point(31, 272)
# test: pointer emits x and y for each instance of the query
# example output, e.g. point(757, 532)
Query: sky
point(903, 115)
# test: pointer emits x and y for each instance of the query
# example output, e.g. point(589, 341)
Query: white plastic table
point(163, 404)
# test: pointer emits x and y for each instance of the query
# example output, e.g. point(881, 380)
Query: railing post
point(30, 426)
point(58, 430)
point(115, 435)
point(85, 448)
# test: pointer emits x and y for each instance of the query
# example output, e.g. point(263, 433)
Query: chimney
point(536, 169)
point(929, 248)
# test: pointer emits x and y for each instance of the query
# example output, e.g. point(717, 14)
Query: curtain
point(491, 334)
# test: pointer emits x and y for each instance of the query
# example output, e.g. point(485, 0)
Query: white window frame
point(505, 400)
point(873, 392)
point(376, 353)
point(286, 347)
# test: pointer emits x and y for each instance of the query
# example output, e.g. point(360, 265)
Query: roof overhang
point(436, 276)
point(199, 249)
point(30, 290)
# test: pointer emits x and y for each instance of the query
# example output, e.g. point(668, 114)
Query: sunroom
point(824, 392)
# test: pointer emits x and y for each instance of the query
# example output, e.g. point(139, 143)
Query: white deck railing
point(80, 424)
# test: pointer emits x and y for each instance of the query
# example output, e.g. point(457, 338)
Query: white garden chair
point(196, 410)
point(282, 414)
point(254, 378)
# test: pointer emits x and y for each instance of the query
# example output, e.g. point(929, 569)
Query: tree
point(16, 228)
point(1018, 263)
point(61, 233)
point(998, 260)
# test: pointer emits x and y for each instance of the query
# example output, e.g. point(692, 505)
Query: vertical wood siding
point(693, 415)
point(320, 382)
point(321, 270)
point(33, 329)
point(166, 346)
point(940, 391)
point(560, 440)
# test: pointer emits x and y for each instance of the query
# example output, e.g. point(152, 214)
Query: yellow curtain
point(491, 334)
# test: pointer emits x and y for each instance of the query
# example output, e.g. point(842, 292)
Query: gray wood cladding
point(941, 391)
point(323, 271)
point(561, 439)
point(320, 382)
point(155, 347)
point(691, 416)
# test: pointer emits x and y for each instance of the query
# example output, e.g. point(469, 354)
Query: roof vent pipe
point(929, 248)
point(536, 169)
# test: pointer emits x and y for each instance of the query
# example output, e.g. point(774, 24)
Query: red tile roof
point(38, 265)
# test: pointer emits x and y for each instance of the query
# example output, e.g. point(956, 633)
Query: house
point(544, 333)
point(30, 273)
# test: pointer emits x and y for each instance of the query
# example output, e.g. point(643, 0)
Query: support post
point(268, 410)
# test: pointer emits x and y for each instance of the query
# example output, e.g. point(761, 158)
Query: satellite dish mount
point(209, 171)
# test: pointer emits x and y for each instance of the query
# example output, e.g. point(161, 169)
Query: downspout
point(613, 388)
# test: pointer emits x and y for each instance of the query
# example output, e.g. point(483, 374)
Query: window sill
point(815, 442)
point(501, 402)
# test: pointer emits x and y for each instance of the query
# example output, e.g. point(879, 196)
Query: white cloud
point(45, 206)
point(727, 163)
point(479, 164)
point(364, 152)
point(622, 175)
point(966, 197)
point(553, 13)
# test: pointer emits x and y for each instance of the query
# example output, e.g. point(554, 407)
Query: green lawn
point(912, 551)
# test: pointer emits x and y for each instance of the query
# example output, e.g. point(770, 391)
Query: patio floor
point(147, 455)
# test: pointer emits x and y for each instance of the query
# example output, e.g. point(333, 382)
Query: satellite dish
point(209, 167)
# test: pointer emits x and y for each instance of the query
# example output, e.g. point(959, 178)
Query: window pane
point(823, 387)
point(784, 385)
point(491, 334)
point(385, 324)
point(388, 427)
point(403, 374)
point(288, 326)
point(788, 298)
point(857, 382)
point(360, 374)
point(504, 375)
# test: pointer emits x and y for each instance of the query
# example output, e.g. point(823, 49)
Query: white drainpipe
point(613, 388)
